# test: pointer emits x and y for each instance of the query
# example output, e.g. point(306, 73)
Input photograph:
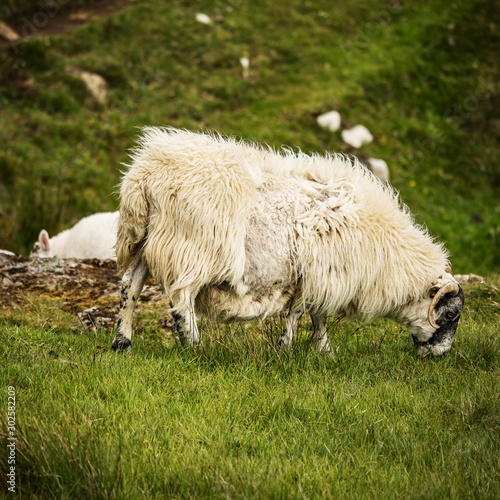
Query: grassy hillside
point(422, 77)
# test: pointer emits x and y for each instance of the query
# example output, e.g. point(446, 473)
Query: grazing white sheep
point(93, 237)
point(247, 232)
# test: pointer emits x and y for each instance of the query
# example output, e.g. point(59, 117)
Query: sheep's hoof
point(283, 342)
point(121, 344)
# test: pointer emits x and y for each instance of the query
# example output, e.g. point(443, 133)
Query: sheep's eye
point(449, 315)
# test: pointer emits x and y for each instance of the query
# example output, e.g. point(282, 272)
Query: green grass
point(239, 418)
point(423, 78)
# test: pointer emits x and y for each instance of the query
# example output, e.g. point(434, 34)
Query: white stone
point(379, 168)
point(96, 84)
point(245, 64)
point(203, 18)
point(329, 121)
point(357, 136)
point(8, 33)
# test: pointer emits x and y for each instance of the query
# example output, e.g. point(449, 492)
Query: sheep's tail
point(133, 221)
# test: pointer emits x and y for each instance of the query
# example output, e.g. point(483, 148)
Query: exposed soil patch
point(55, 21)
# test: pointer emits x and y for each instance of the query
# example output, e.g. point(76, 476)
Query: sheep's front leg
point(132, 282)
point(320, 335)
point(185, 322)
point(291, 325)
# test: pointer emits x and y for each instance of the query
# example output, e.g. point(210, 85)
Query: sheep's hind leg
point(132, 282)
point(320, 335)
point(185, 322)
point(291, 325)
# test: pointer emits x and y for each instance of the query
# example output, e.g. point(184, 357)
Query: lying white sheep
point(93, 237)
point(246, 231)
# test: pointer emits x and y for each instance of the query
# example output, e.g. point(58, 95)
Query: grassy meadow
point(239, 418)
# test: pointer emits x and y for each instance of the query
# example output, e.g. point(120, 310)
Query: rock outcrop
point(89, 288)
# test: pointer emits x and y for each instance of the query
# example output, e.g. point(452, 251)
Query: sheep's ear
point(44, 240)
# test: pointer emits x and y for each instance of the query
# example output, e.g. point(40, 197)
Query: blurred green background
point(422, 76)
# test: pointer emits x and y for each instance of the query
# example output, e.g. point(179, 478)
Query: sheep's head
point(433, 320)
point(42, 248)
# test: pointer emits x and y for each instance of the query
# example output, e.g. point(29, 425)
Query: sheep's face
point(433, 320)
